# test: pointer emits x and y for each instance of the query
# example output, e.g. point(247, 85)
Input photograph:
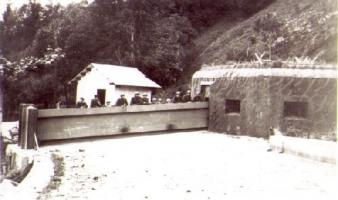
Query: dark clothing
point(81, 104)
point(95, 103)
point(177, 99)
point(197, 98)
point(186, 98)
point(121, 102)
point(145, 101)
point(136, 100)
point(61, 104)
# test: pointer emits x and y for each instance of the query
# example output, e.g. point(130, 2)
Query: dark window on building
point(232, 106)
point(295, 109)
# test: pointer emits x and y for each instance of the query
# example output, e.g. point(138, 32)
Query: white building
point(110, 81)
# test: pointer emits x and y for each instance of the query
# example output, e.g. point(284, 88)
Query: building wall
point(87, 87)
point(251, 92)
point(262, 106)
point(321, 97)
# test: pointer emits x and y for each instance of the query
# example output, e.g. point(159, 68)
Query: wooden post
point(32, 114)
point(23, 125)
point(20, 122)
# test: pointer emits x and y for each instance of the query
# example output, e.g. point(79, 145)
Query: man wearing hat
point(136, 100)
point(122, 101)
point(95, 102)
point(187, 97)
point(153, 100)
point(177, 98)
point(81, 103)
point(145, 99)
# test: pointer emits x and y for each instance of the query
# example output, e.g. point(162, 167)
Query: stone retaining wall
point(319, 150)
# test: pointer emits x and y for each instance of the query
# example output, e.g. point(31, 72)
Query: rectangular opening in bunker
point(232, 106)
point(295, 109)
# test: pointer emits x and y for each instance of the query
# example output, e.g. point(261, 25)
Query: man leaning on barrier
point(122, 101)
point(145, 99)
point(61, 103)
point(198, 98)
point(187, 97)
point(81, 103)
point(177, 98)
point(95, 102)
point(136, 100)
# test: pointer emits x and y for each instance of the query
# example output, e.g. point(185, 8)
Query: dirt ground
point(187, 165)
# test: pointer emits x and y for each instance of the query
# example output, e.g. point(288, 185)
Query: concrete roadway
point(187, 165)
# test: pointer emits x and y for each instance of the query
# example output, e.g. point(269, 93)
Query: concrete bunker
point(248, 100)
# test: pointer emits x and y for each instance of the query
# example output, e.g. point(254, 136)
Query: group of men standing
point(144, 100)
point(136, 100)
point(179, 98)
point(94, 103)
point(122, 101)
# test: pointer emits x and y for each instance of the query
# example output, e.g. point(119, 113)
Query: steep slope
point(283, 30)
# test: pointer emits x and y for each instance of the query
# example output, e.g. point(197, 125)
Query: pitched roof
point(119, 75)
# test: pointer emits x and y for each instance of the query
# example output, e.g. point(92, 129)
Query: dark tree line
point(43, 47)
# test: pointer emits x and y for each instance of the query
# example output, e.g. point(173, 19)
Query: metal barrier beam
point(54, 124)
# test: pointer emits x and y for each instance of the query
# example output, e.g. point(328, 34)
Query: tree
point(154, 35)
point(30, 80)
point(8, 29)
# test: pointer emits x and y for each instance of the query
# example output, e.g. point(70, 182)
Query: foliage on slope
point(284, 30)
point(166, 39)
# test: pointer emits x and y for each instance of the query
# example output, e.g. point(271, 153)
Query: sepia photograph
point(168, 99)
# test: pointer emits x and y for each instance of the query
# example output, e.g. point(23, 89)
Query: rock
point(81, 150)
point(96, 178)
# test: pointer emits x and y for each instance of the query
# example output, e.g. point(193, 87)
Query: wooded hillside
point(43, 47)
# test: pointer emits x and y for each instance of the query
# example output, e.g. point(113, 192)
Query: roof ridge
point(112, 65)
point(118, 75)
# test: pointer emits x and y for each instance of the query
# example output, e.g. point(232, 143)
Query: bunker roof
point(118, 75)
point(254, 70)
